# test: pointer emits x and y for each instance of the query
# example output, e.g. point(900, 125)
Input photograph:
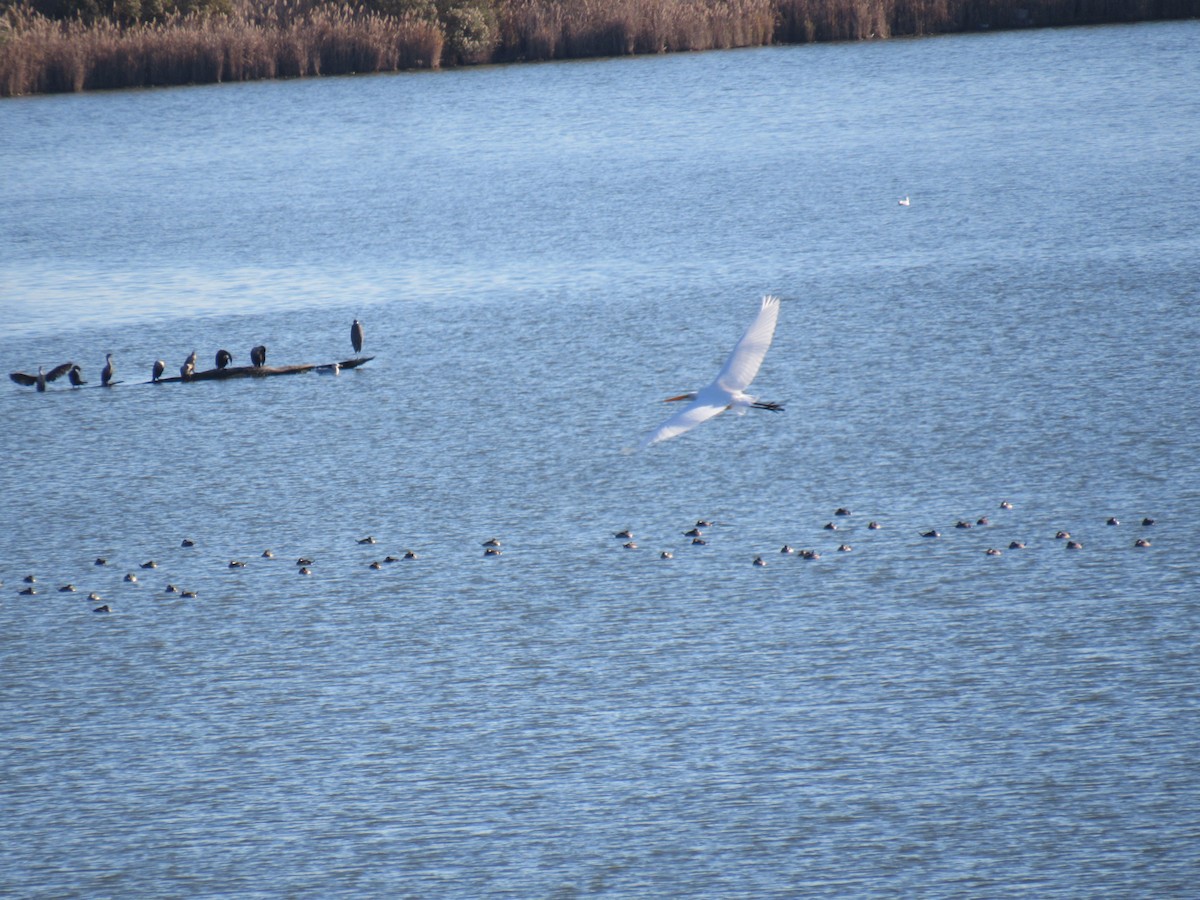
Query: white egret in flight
point(727, 390)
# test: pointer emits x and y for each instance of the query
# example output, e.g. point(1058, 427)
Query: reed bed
point(39, 55)
point(298, 38)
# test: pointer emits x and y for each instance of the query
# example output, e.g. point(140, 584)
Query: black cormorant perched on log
point(224, 358)
point(41, 377)
point(76, 375)
point(110, 370)
point(356, 336)
point(159, 368)
point(258, 356)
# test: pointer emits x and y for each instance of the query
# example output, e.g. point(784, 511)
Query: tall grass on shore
point(38, 55)
point(292, 38)
point(540, 29)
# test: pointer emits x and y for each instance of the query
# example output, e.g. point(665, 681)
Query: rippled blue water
point(540, 254)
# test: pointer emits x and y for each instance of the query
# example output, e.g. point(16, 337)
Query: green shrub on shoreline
point(49, 46)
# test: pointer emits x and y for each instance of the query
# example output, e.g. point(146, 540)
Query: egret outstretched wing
point(747, 354)
point(699, 410)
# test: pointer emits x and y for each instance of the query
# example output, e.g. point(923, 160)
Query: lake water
point(540, 254)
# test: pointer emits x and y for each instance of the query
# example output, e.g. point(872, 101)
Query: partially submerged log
point(262, 371)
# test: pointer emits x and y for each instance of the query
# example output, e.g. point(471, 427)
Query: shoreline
point(277, 39)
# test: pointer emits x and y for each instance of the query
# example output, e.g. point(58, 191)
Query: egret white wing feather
point(747, 354)
point(699, 410)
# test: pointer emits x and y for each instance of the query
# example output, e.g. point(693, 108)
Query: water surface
point(540, 254)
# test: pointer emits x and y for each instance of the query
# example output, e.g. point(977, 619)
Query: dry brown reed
point(294, 38)
point(38, 55)
point(535, 29)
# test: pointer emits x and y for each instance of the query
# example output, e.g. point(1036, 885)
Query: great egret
point(727, 390)
point(356, 335)
point(904, 201)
